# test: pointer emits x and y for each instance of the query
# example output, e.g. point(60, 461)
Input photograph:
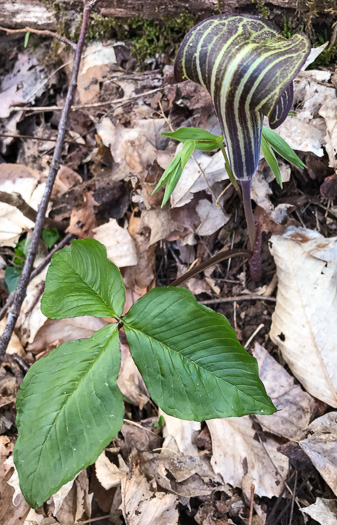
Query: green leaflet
point(269, 155)
point(82, 281)
point(281, 147)
point(204, 140)
point(248, 67)
point(173, 172)
point(190, 359)
point(68, 409)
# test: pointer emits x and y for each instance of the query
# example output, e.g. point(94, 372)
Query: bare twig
point(88, 106)
point(44, 32)
point(54, 167)
point(44, 139)
point(236, 298)
point(15, 199)
point(219, 257)
point(252, 490)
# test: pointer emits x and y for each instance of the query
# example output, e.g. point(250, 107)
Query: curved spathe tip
point(248, 68)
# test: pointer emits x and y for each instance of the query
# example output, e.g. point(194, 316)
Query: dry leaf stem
point(54, 167)
point(219, 257)
point(44, 32)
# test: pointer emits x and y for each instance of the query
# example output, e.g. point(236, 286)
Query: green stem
point(229, 171)
point(247, 204)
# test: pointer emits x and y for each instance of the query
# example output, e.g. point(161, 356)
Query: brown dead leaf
point(83, 219)
point(140, 277)
point(16, 178)
point(66, 178)
point(160, 223)
point(295, 407)
point(57, 331)
point(248, 456)
point(108, 474)
point(130, 381)
point(324, 511)
point(212, 217)
point(31, 318)
point(180, 435)
point(141, 506)
point(119, 243)
point(320, 446)
point(20, 85)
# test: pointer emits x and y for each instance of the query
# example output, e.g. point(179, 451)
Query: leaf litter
point(167, 470)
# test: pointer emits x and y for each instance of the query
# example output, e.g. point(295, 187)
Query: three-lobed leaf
point(82, 281)
point(190, 358)
point(68, 409)
point(69, 406)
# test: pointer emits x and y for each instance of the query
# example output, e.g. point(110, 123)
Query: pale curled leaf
point(324, 511)
point(190, 359)
point(320, 446)
point(295, 407)
point(82, 281)
point(141, 506)
point(304, 324)
point(236, 450)
point(69, 407)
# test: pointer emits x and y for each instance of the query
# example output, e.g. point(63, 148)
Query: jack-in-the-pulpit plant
point(248, 68)
point(69, 406)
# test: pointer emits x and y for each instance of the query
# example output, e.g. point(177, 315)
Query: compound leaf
point(68, 409)
point(190, 359)
point(81, 280)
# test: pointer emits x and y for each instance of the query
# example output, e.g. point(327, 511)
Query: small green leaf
point(26, 40)
point(281, 147)
point(12, 277)
point(50, 237)
point(68, 409)
point(191, 360)
point(271, 159)
point(174, 170)
point(160, 422)
point(204, 140)
point(81, 280)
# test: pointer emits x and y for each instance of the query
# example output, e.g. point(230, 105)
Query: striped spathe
point(248, 68)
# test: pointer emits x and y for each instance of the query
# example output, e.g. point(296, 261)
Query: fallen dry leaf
point(119, 244)
point(199, 166)
point(141, 506)
point(307, 131)
point(304, 323)
point(140, 277)
point(108, 474)
point(295, 407)
point(324, 511)
point(31, 318)
point(20, 85)
point(180, 435)
point(130, 382)
point(83, 219)
point(57, 331)
point(160, 223)
point(16, 178)
point(212, 217)
point(320, 446)
point(236, 452)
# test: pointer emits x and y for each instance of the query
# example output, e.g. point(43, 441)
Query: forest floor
point(178, 471)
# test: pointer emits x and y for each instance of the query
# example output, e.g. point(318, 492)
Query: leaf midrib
point(93, 290)
point(52, 426)
point(187, 359)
